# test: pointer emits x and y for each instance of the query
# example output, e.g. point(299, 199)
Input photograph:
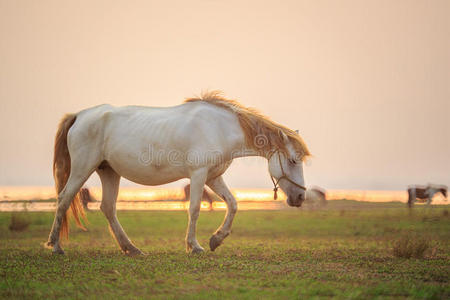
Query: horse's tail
point(61, 172)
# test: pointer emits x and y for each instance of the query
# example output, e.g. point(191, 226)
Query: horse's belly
point(148, 175)
point(151, 180)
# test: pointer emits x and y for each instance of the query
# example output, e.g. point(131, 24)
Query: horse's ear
point(283, 136)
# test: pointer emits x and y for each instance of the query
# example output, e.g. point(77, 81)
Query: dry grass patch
point(19, 221)
point(411, 245)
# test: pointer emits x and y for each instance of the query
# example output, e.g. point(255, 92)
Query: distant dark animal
point(85, 197)
point(424, 193)
point(205, 197)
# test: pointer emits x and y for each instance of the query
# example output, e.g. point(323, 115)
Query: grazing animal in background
point(205, 197)
point(85, 197)
point(156, 145)
point(425, 193)
point(315, 197)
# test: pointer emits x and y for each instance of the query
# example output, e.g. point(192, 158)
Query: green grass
point(343, 252)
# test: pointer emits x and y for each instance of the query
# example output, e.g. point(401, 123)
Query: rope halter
point(283, 176)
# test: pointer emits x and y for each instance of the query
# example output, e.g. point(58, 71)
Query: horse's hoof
point(214, 242)
point(58, 251)
point(135, 252)
point(197, 250)
point(55, 247)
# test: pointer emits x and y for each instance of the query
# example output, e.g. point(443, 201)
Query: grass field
point(344, 251)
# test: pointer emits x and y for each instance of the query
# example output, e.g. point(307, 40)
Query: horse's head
point(286, 166)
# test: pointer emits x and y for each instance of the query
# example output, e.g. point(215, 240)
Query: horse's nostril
point(300, 197)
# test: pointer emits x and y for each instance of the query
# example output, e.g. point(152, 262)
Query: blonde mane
point(260, 132)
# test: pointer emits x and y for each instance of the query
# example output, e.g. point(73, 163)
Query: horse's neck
point(245, 151)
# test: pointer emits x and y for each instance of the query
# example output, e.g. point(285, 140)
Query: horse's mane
point(260, 132)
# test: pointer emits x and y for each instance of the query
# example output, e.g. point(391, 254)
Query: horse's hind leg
point(110, 188)
point(77, 178)
point(220, 188)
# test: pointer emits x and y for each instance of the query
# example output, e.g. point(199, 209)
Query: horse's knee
point(194, 216)
point(194, 213)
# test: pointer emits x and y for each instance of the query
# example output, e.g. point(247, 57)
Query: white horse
point(315, 198)
point(147, 145)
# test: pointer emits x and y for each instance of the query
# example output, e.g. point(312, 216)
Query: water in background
point(38, 198)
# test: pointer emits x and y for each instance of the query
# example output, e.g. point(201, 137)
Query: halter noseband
point(283, 176)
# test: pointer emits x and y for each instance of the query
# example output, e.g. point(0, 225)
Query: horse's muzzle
point(296, 202)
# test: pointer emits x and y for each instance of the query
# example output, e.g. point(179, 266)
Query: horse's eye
point(292, 161)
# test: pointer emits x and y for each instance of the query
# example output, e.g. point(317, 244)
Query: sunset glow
point(137, 198)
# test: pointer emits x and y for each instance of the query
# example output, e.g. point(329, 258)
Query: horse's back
point(192, 125)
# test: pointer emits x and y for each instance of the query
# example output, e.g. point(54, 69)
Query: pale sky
point(367, 83)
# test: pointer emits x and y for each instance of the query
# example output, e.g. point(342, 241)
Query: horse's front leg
point(411, 198)
point(198, 178)
point(220, 188)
